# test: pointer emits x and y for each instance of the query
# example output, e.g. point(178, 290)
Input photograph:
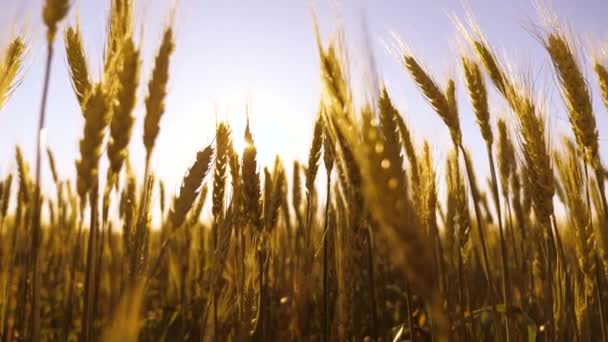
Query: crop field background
point(490, 225)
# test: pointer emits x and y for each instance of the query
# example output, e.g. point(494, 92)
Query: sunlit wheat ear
point(602, 76)
point(314, 155)
point(533, 140)
point(382, 189)
point(328, 148)
point(122, 112)
point(486, 55)
point(479, 97)
point(120, 28)
point(458, 199)
point(53, 12)
point(451, 205)
point(440, 101)
point(572, 179)
point(6, 195)
point(234, 167)
point(222, 143)
point(267, 196)
point(190, 187)
point(77, 62)
point(575, 93)
point(25, 180)
point(250, 181)
point(388, 115)
point(408, 146)
point(296, 191)
point(195, 213)
point(157, 90)
point(429, 189)
point(506, 157)
point(334, 80)
point(140, 236)
point(535, 150)
point(278, 192)
point(10, 66)
point(96, 120)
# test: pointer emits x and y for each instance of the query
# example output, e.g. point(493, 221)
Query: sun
point(275, 127)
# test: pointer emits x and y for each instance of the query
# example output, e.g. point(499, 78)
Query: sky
point(263, 53)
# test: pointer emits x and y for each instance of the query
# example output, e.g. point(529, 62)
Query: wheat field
point(377, 253)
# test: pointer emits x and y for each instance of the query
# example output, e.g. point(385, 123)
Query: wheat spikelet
point(77, 62)
point(122, 111)
point(277, 194)
point(190, 187)
point(268, 198)
point(442, 103)
point(235, 168)
point(328, 148)
point(250, 181)
point(388, 115)
point(533, 142)
point(128, 208)
point(488, 58)
point(314, 155)
point(53, 12)
point(479, 97)
point(382, 189)
point(506, 157)
point(223, 142)
point(10, 65)
point(536, 156)
point(339, 107)
point(120, 28)
point(429, 194)
point(296, 191)
point(195, 214)
point(602, 75)
point(408, 147)
point(25, 181)
point(575, 93)
point(452, 173)
point(334, 81)
point(141, 232)
point(97, 118)
point(6, 195)
point(572, 178)
point(462, 219)
point(157, 90)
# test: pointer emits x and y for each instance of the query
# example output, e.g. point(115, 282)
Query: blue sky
point(230, 53)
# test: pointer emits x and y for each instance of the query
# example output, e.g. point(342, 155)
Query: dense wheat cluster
point(373, 253)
